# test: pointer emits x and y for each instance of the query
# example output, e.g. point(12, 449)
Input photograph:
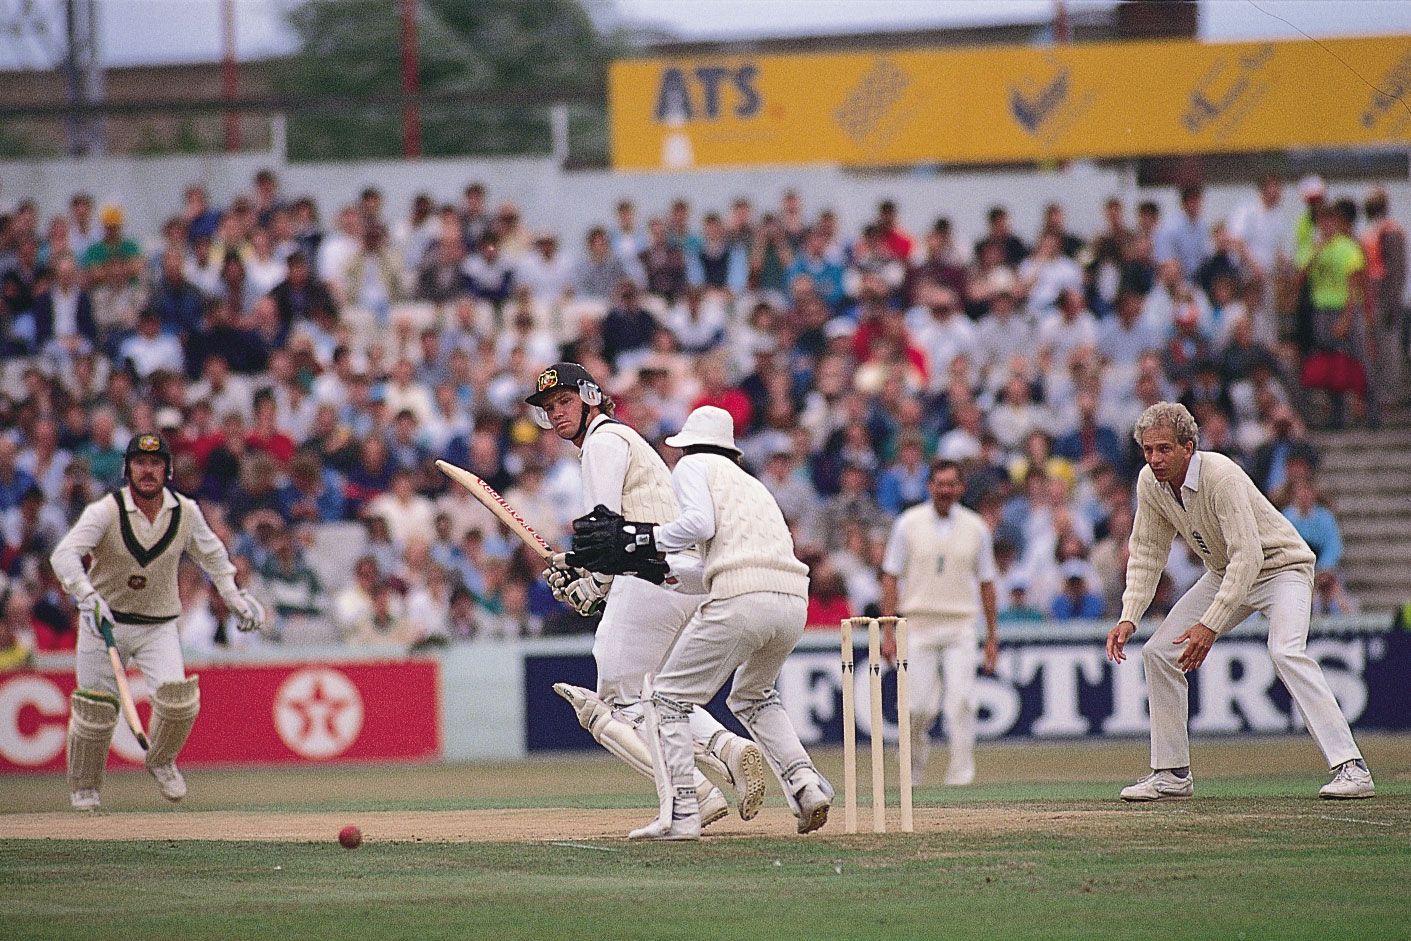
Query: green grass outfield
point(1039, 849)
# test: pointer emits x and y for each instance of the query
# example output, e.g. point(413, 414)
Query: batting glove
point(249, 613)
point(588, 594)
point(92, 609)
point(560, 575)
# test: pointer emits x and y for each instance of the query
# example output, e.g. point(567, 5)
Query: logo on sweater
point(137, 582)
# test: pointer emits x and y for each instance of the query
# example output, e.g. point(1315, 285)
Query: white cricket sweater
point(135, 560)
point(626, 474)
point(744, 540)
point(1230, 524)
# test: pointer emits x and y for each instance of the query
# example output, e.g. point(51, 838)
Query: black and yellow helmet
point(148, 442)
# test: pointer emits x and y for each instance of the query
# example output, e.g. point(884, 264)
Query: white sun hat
point(706, 425)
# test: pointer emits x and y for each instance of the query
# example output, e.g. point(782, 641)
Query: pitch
point(1039, 848)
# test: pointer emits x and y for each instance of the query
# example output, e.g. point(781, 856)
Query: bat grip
point(106, 629)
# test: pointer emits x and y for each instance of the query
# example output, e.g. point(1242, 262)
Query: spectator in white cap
point(1003, 331)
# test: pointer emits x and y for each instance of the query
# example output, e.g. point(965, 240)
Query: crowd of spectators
point(308, 375)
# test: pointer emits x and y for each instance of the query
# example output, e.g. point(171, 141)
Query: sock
point(1182, 772)
point(1355, 761)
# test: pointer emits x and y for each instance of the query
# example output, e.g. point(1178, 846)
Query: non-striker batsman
point(135, 537)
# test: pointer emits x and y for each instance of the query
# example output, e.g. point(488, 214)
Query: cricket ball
point(351, 837)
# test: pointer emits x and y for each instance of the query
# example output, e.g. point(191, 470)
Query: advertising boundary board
point(1002, 104)
point(252, 713)
point(493, 701)
point(1053, 682)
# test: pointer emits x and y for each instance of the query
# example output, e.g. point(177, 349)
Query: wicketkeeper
point(752, 618)
point(135, 537)
point(640, 621)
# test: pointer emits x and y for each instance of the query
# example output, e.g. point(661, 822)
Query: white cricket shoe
point(960, 775)
point(1350, 783)
point(714, 807)
point(677, 830)
point(1160, 786)
point(84, 799)
point(745, 763)
point(814, 803)
point(169, 781)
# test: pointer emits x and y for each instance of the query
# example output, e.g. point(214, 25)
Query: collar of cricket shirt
point(594, 425)
point(949, 516)
point(1192, 481)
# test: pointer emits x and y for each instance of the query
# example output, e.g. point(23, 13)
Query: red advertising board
point(251, 714)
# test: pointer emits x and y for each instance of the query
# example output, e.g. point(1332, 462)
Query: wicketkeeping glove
point(608, 543)
point(249, 613)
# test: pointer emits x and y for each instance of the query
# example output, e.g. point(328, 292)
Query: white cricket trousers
point(155, 648)
point(640, 622)
point(639, 626)
point(1286, 600)
point(943, 656)
point(750, 635)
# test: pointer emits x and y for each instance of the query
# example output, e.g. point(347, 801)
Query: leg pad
point(92, 718)
point(174, 708)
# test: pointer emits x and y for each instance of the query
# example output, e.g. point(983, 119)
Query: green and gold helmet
point(562, 376)
point(148, 442)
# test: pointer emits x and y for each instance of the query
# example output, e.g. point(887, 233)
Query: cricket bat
point(129, 708)
point(496, 504)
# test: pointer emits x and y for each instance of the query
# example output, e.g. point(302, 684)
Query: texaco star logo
point(318, 712)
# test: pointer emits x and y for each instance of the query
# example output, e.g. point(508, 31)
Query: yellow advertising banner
point(997, 105)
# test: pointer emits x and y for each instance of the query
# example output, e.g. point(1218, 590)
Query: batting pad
point(92, 718)
point(624, 739)
point(618, 737)
point(174, 708)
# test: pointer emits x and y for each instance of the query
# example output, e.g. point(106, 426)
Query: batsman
point(135, 537)
point(640, 622)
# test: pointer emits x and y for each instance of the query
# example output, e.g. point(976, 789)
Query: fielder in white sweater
point(1255, 561)
point(753, 616)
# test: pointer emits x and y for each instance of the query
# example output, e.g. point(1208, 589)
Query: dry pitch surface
point(481, 826)
point(531, 800)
